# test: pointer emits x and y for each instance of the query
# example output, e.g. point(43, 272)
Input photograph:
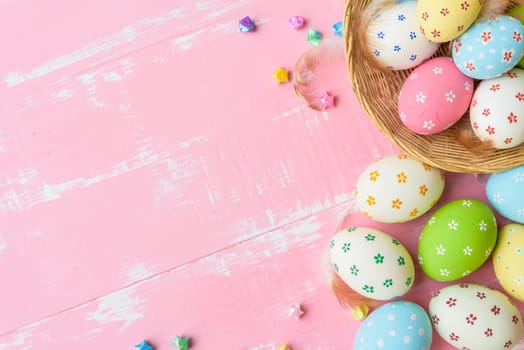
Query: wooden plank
point(116, 172)
point(239, 298)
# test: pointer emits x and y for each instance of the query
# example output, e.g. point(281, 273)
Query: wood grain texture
point(124, 154)
point(155, 180)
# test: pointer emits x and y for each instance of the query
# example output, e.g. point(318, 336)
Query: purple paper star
point(247, 24)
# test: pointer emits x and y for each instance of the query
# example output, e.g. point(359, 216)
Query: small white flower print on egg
point(428, 124)
point(450, 96)
point(437, 70)
point(483, 226)
point(497, 198)
point(518, 177)
point(420, 97)
point(441, 250)
point(453, 225)
point(444, 272)
point(519, 280)
point(467, 86)
point(467, 251)
point(467, 203)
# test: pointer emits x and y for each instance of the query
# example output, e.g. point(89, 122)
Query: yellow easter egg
point(508, 260)
point(444, 20)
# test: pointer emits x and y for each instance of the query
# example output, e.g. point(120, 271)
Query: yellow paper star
point(281, 75)
point(284, 347)
point(360, 312)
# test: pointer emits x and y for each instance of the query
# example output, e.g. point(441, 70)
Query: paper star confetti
point(327, 101)
point(247, 25)
point(181, 343)
point(314, 37)
point(144, 345)
point(296, 22)
point(281, 75)
point(296, 311)
point(337, 28)
point(360, 312)
point(284, 347)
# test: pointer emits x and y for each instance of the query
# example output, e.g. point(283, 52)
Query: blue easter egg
point(490, 47)
point(396, 325)
point(505, 192)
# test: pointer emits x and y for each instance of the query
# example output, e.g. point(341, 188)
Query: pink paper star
point(296, 311)
point(327, 101)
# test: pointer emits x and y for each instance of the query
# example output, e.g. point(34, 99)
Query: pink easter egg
point(434, 96)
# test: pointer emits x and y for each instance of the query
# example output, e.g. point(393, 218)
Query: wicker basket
point(377, 92)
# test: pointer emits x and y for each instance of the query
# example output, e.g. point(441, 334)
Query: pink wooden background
point(155, 180)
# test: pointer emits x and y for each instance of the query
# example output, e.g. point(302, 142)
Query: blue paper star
point(337, 28)
point(144, 345)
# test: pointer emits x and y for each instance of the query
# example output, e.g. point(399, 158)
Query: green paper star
point(181, 343)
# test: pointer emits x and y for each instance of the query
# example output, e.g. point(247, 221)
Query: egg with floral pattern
point(434, 96)
point(372, 263)
point(457, 239)
point(505, 192)
point(395, 325)
point(444, 20)
point(472, 316)
point(490, 47)
point(398, 188)
point(518, 13)
point(395, 40)
point(497, 110)
point(508, 260)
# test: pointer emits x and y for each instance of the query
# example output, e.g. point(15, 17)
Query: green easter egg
point(457, 239)
point(518, 13)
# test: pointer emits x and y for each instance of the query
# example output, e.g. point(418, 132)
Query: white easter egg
point(497, 110)
point(395, 39)
point(372, 263)
point(471, 316)
point(398, 189)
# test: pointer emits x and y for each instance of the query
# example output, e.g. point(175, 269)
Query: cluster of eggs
point(480, 76)
point(457, 239)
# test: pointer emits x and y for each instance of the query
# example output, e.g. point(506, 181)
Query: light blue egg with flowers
point(505, 192)
point(396, 325)
point(490, 47)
